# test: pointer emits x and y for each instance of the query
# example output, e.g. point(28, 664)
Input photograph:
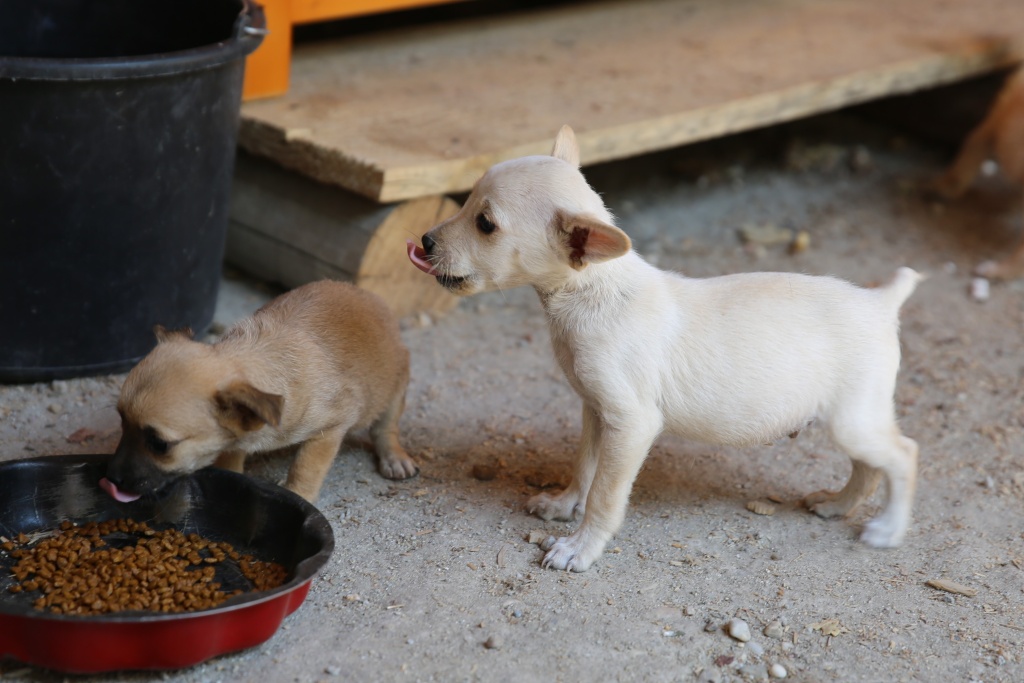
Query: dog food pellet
point(78, 572)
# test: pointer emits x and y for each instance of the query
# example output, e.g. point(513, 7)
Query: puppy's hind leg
point(312, 462)
point(863, 482)
point(570, 502)
point(392, 460)
point(621, 451)
point(887, 529)
point(879, 445)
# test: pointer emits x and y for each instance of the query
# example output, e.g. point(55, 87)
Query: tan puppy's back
point(325, 331)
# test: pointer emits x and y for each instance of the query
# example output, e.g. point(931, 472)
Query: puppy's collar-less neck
point(591, 291)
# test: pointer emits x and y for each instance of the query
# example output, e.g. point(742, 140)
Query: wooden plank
point(426, 110)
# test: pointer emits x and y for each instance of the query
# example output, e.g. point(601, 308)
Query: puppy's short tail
point(902, 285)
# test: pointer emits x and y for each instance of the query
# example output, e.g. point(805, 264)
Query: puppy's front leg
point(392, 460)
point(571, 502)
point(622, 449)
point(312, 462)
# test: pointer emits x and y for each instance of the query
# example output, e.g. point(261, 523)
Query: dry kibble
point(165, 571)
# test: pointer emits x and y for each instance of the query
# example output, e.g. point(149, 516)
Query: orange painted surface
point(305, 11)
point(267, 69)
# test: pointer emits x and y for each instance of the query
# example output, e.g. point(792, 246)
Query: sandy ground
point(433, 579)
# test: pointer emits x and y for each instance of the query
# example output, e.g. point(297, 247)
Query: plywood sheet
point(426, 110)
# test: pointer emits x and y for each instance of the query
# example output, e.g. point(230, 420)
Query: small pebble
point(547, 543)
point(778, 671)
point(536, 536)
point(333, 670)
point(689, 611)
point(979, 289)
point(755, 649)
point(493, 643)
point(710, 675)
point(774, 630)
point(738, 629)
point(55, 408)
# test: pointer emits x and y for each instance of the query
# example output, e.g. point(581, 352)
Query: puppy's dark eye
point(484, 224)
point(154, 443)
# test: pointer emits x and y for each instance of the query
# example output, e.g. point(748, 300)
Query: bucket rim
point(246, 35)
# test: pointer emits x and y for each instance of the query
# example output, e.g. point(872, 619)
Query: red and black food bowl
point(256, 517)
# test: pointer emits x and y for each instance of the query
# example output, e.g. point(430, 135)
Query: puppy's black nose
point(428, 244)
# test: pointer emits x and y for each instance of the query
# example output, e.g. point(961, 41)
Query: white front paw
point(572, 553)
point(565, 506)
point(882, 532)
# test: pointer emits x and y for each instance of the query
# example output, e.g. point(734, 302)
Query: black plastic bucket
point(118, 125)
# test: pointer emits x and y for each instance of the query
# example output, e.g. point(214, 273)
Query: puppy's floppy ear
point(590, 240)
point(165, 335)
point(241, 407)
point(566, 148)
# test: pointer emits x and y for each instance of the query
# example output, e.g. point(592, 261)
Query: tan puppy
point(1000, 136)
point(740, 359)
point(311, 365)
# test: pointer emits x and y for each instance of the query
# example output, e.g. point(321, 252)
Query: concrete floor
point(434, 579)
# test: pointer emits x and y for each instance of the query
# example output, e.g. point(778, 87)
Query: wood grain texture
point(426, 110)
point(289, 229)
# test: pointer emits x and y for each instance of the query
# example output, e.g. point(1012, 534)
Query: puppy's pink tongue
point(118, 495)
point(419, 257)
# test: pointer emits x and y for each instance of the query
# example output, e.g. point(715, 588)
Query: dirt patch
point(435, 578)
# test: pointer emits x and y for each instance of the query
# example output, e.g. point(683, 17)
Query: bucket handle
point(251, 23)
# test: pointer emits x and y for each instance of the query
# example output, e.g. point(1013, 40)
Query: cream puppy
point(737, 360)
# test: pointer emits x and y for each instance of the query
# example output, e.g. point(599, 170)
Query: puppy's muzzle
point(421, 257)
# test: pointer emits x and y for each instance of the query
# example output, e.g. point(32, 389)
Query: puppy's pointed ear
point(164, 335)
point(566, 148)
point(590, 240)
point(241, 408)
